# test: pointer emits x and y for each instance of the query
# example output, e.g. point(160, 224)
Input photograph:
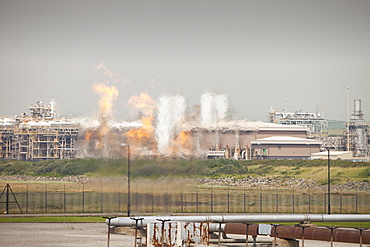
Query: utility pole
point(328, 180)
point(128, 182)
point(348, 119)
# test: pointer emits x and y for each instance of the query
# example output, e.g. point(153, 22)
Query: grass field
point(172, 186)
point(52, 219)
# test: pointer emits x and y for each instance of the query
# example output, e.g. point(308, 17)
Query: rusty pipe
point(310, 233)
point(126, 221)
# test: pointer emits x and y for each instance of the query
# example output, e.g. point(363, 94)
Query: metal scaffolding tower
point(40, 136)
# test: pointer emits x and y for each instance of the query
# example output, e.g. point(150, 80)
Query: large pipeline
point(127, 221)
point(297, 232)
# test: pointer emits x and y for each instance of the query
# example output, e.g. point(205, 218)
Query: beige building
point(334, 155)
point(285, 147)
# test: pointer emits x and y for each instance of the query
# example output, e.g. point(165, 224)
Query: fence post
point(26, 198)
point(261, 199)
point(309, 201)
point(245, 201)
point(340, 201)
point(46, 198)
point(101, 196)
point(152, 200)
point(83, 198)
point(182, 201)
point(64, 198)
point(324, 203)
point(196, 196)
point(211, 200)
point(119, 196)
point(228, 198)
point(356, 201)
point(277, 200)
point(293, 200)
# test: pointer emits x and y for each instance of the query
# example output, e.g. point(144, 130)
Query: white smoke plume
point(213, 108)
point(112, 76)
point(170, 111)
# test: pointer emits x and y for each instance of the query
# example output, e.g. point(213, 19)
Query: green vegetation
point(52, 219)
point(341, 170)
point(336, 127)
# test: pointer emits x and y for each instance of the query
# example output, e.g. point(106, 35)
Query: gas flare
point(142, 137)
point(182, 146)
point(108, 94)
point(144, 103)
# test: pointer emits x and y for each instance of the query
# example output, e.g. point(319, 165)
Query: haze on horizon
point(259, 53)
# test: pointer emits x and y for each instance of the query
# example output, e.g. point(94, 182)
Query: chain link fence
point(110, 195)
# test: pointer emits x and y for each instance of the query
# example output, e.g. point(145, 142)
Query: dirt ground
point(59, 234)
point(88, 234)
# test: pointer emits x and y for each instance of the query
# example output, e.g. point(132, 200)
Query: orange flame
point(107, 96)
point(143, 102)
point(144, 136)
point(182, 142)
point(184, 138)
point(88, 136)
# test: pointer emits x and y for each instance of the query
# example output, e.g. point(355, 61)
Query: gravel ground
point(88, 234)
point(59, 234)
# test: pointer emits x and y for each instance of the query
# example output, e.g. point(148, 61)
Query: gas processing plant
point(164, 130)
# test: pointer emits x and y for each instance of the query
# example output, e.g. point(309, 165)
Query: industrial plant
point(38, 136)
point(166, 131)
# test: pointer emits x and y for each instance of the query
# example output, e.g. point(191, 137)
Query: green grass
point(52, 219)
point(342, 170)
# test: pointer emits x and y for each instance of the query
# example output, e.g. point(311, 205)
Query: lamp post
point(128, 182)
point(328, 180)
point(348, 142)
point(128, 179)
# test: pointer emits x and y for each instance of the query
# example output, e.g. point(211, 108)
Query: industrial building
point(43, 136)
point(285, 147)
point(355, 138)
point(318, 126)
point(356, 135)
point(258, 140)
point(40, 136)
point(334, 155)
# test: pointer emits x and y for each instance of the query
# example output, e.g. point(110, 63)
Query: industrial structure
point(355, 138)
point(40, 136)
point(317, 125)
point(258, 140)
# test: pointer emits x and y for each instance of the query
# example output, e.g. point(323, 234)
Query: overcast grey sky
point(259, 53)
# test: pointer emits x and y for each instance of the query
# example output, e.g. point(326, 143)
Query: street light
point(348, 142)
point(328, 180)
point(128, 180)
